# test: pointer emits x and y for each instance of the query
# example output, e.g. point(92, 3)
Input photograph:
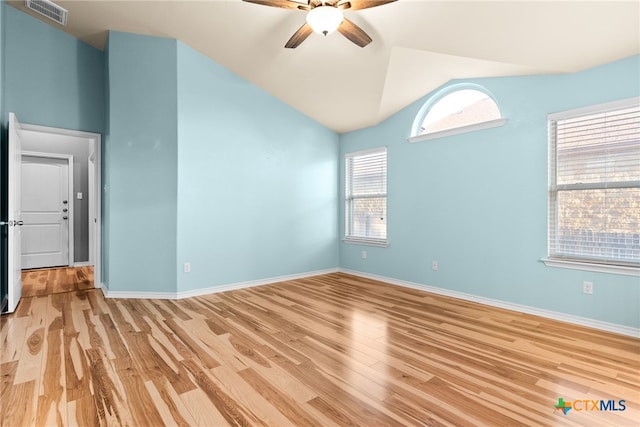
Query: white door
point(45, 212)
point(15, 214)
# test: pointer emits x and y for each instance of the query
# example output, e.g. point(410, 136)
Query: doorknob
point(20, 223)
point(65, 217)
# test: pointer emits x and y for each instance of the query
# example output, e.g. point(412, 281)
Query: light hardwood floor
point(47, 281)
point(323, 351)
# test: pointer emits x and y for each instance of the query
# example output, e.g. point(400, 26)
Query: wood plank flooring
point(56, 280)
point(324, 351)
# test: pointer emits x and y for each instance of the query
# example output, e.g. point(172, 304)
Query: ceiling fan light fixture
point(324, 19)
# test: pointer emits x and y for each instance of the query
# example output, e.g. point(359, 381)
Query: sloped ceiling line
point(417, 45)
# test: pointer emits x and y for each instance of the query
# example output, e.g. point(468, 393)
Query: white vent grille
point(48, 9)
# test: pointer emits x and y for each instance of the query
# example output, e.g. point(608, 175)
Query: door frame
point(14, 220)
point(71, 203)
point(95, 193)
point(92, 205)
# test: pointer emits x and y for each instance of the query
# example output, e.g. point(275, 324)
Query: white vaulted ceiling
point(417, 45)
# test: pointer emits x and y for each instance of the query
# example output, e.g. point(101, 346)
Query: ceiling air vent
point(48, 9)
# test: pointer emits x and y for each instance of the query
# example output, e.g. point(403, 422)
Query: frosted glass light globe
point(324, 19)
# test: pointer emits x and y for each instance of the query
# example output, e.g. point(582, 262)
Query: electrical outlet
point(434, 265)
point(364, 254)
point(187, 267)
point(587, 288)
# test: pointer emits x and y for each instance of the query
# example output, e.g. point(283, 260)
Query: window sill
point(455, 131)
point(366, 242)
point(588, 266)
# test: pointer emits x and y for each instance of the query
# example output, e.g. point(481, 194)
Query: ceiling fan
point(324, 17)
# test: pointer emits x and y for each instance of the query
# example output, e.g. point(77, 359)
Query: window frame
point(349, 198)
point(574, 261)
point(417, 136)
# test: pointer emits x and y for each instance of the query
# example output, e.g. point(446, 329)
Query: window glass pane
point(599, 148)
point(366, 195)
point(369, 174)
point(460, 108)
point(369, 218)
point(594, 191)
point(600, 223)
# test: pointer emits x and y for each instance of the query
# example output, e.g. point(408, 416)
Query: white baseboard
point(569, 318)
point(213, 289)
point(137, 294)
point(83, 264)
point(252, 283)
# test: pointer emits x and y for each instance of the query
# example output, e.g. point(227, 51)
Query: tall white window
point(594, 184)
point(366, 197)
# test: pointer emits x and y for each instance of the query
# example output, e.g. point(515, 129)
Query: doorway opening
point(64, 254)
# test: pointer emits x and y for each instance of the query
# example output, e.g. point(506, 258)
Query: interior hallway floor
point(47, 281)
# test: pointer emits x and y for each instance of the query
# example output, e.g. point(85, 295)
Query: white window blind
point(366, 196)
point(594, 184)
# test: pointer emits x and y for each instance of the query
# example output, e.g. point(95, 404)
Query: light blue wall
point(201, 166)
point(141, 164)
point(51, 78)
point(204, 167)
point(105, 175)
point(257, 181)
point(477, 202)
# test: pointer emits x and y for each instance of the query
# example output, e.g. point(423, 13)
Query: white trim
point(458, 130)
point(595, 109)
point(97, 210)
point(58, 131)
point(137, 295)
point(590, 266)
point(92, 202)
point(349, 159)
point(82, 264)
point(569, 318)
point(558, 139)
point(213, 289)
point(47, 155)
point(435, 98)
point(70, 198)
point(253, 283)
point(596, 185)
point(364, 241)
point(96, 140)
point(366, 152)
point(563, 317)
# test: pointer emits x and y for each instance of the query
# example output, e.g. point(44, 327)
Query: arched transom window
point(454, 110)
